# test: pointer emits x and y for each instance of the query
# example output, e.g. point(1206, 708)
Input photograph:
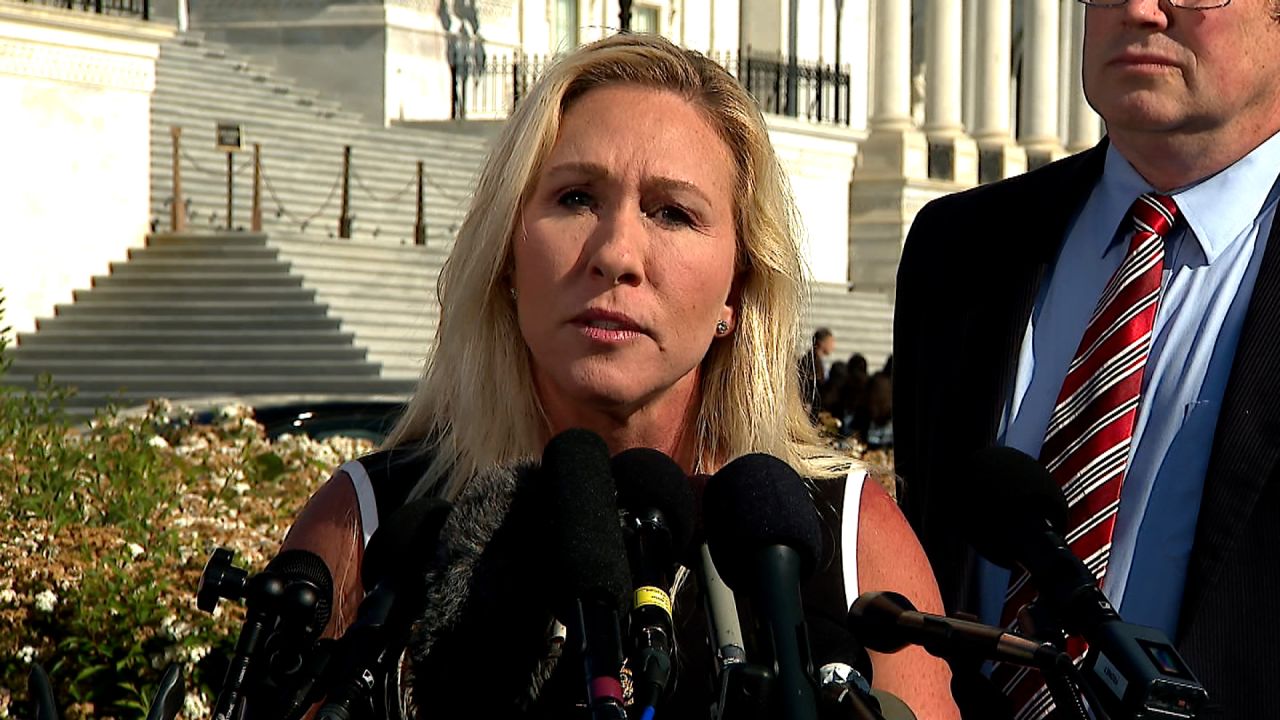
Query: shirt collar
point(1217, 209)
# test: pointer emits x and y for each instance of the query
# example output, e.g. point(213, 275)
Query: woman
point(629, 265)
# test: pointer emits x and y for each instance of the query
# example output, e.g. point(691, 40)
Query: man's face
point(827, 345)
point(1153, 68)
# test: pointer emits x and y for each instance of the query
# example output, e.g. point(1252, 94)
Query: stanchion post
point(420, 225)
point(256, 217)
point(344, 219)
point(177, 211)
point(231, 173)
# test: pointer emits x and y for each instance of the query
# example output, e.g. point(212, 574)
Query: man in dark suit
point(1117, 314)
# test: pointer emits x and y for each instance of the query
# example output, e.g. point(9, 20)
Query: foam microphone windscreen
point(298, 564)
point(406, 544)
point(1010, 494)
point(582, 504)
point(754, 502)
point(649, 478)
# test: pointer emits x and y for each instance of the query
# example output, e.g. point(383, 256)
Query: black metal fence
point(125, 8)
point(817, 93)
point(489, 87)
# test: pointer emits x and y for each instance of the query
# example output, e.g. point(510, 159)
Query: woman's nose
point(617, 252)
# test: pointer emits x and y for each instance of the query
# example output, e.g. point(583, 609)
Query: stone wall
point(74, 193)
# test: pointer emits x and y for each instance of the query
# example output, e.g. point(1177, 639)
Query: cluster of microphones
point(565, 604)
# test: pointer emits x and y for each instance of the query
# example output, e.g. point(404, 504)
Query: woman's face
point(626, 258)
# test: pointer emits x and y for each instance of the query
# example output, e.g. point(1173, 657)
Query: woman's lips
point(607, 326)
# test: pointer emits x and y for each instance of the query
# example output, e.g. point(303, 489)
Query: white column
point(999, 155)
point(1038, 106)
point(1084, 125)
point(855, 52)
point(943, 67)
point(953, 156)
point(894, 159)
point(971, 62)
point(892, 66)
point(1065, 75)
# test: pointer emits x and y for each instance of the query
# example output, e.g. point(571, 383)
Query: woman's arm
point(890, 558)
point(329, 526)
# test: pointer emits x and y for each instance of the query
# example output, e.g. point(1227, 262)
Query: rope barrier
point(360, 181)
point(282, 210)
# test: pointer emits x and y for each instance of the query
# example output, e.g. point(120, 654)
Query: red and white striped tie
point(1086, 446)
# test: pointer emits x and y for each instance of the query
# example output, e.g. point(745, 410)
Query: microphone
point(169, 695)
point(296, 580)
point(43, 706)
point(765, 537)
point(592, 579)
point(486, 595)
point(657, 509)
point(722, 608)
point(887, 622)
point(1016, 515)
point(398, 554)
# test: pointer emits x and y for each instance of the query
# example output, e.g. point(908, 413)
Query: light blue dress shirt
point(1211, 262)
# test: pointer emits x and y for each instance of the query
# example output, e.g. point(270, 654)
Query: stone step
point(83, 404)
point(390, 306)
point(235, 307)
point(336, 353)
point(134, 369)
point(57, 336)
point(75, 316)
point(197, 113)
point(165, 385)
point(201, 254)
point(144, 278)
point(206, 240)
point(181, 294)
point(214, 265)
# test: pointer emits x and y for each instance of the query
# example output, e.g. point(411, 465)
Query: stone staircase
point(200, 83)
point(862, 321)
point(198, 315)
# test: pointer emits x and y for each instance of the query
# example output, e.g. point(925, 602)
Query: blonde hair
point(476, 407)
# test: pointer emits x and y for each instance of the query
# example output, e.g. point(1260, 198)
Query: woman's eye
point(672, 215)
point(574, 199)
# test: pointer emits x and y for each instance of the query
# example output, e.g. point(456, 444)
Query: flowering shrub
point(104, 530)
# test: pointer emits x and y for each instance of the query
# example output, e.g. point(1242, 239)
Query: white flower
point(235, 411)
point(240, 488)
point(8, 597)
point(27, 654)
point(135, 550)
point(193, 655)
point(195, 705)
point(156, 441)
point(45, 601)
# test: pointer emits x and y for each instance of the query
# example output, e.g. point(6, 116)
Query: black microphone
point(765, 537)
point(43, 706)
point(887, 622)
point(487, 599)
point(397, 555)
point(1016, 515)
point(294, 592)
point(169, 695)
point(657, 512)
point(592, 577)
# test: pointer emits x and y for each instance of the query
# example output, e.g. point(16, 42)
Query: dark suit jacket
point(971, 268)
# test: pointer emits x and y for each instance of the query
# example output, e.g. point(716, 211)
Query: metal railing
point(123, 8)
point(489, 87)
point(802, 90)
